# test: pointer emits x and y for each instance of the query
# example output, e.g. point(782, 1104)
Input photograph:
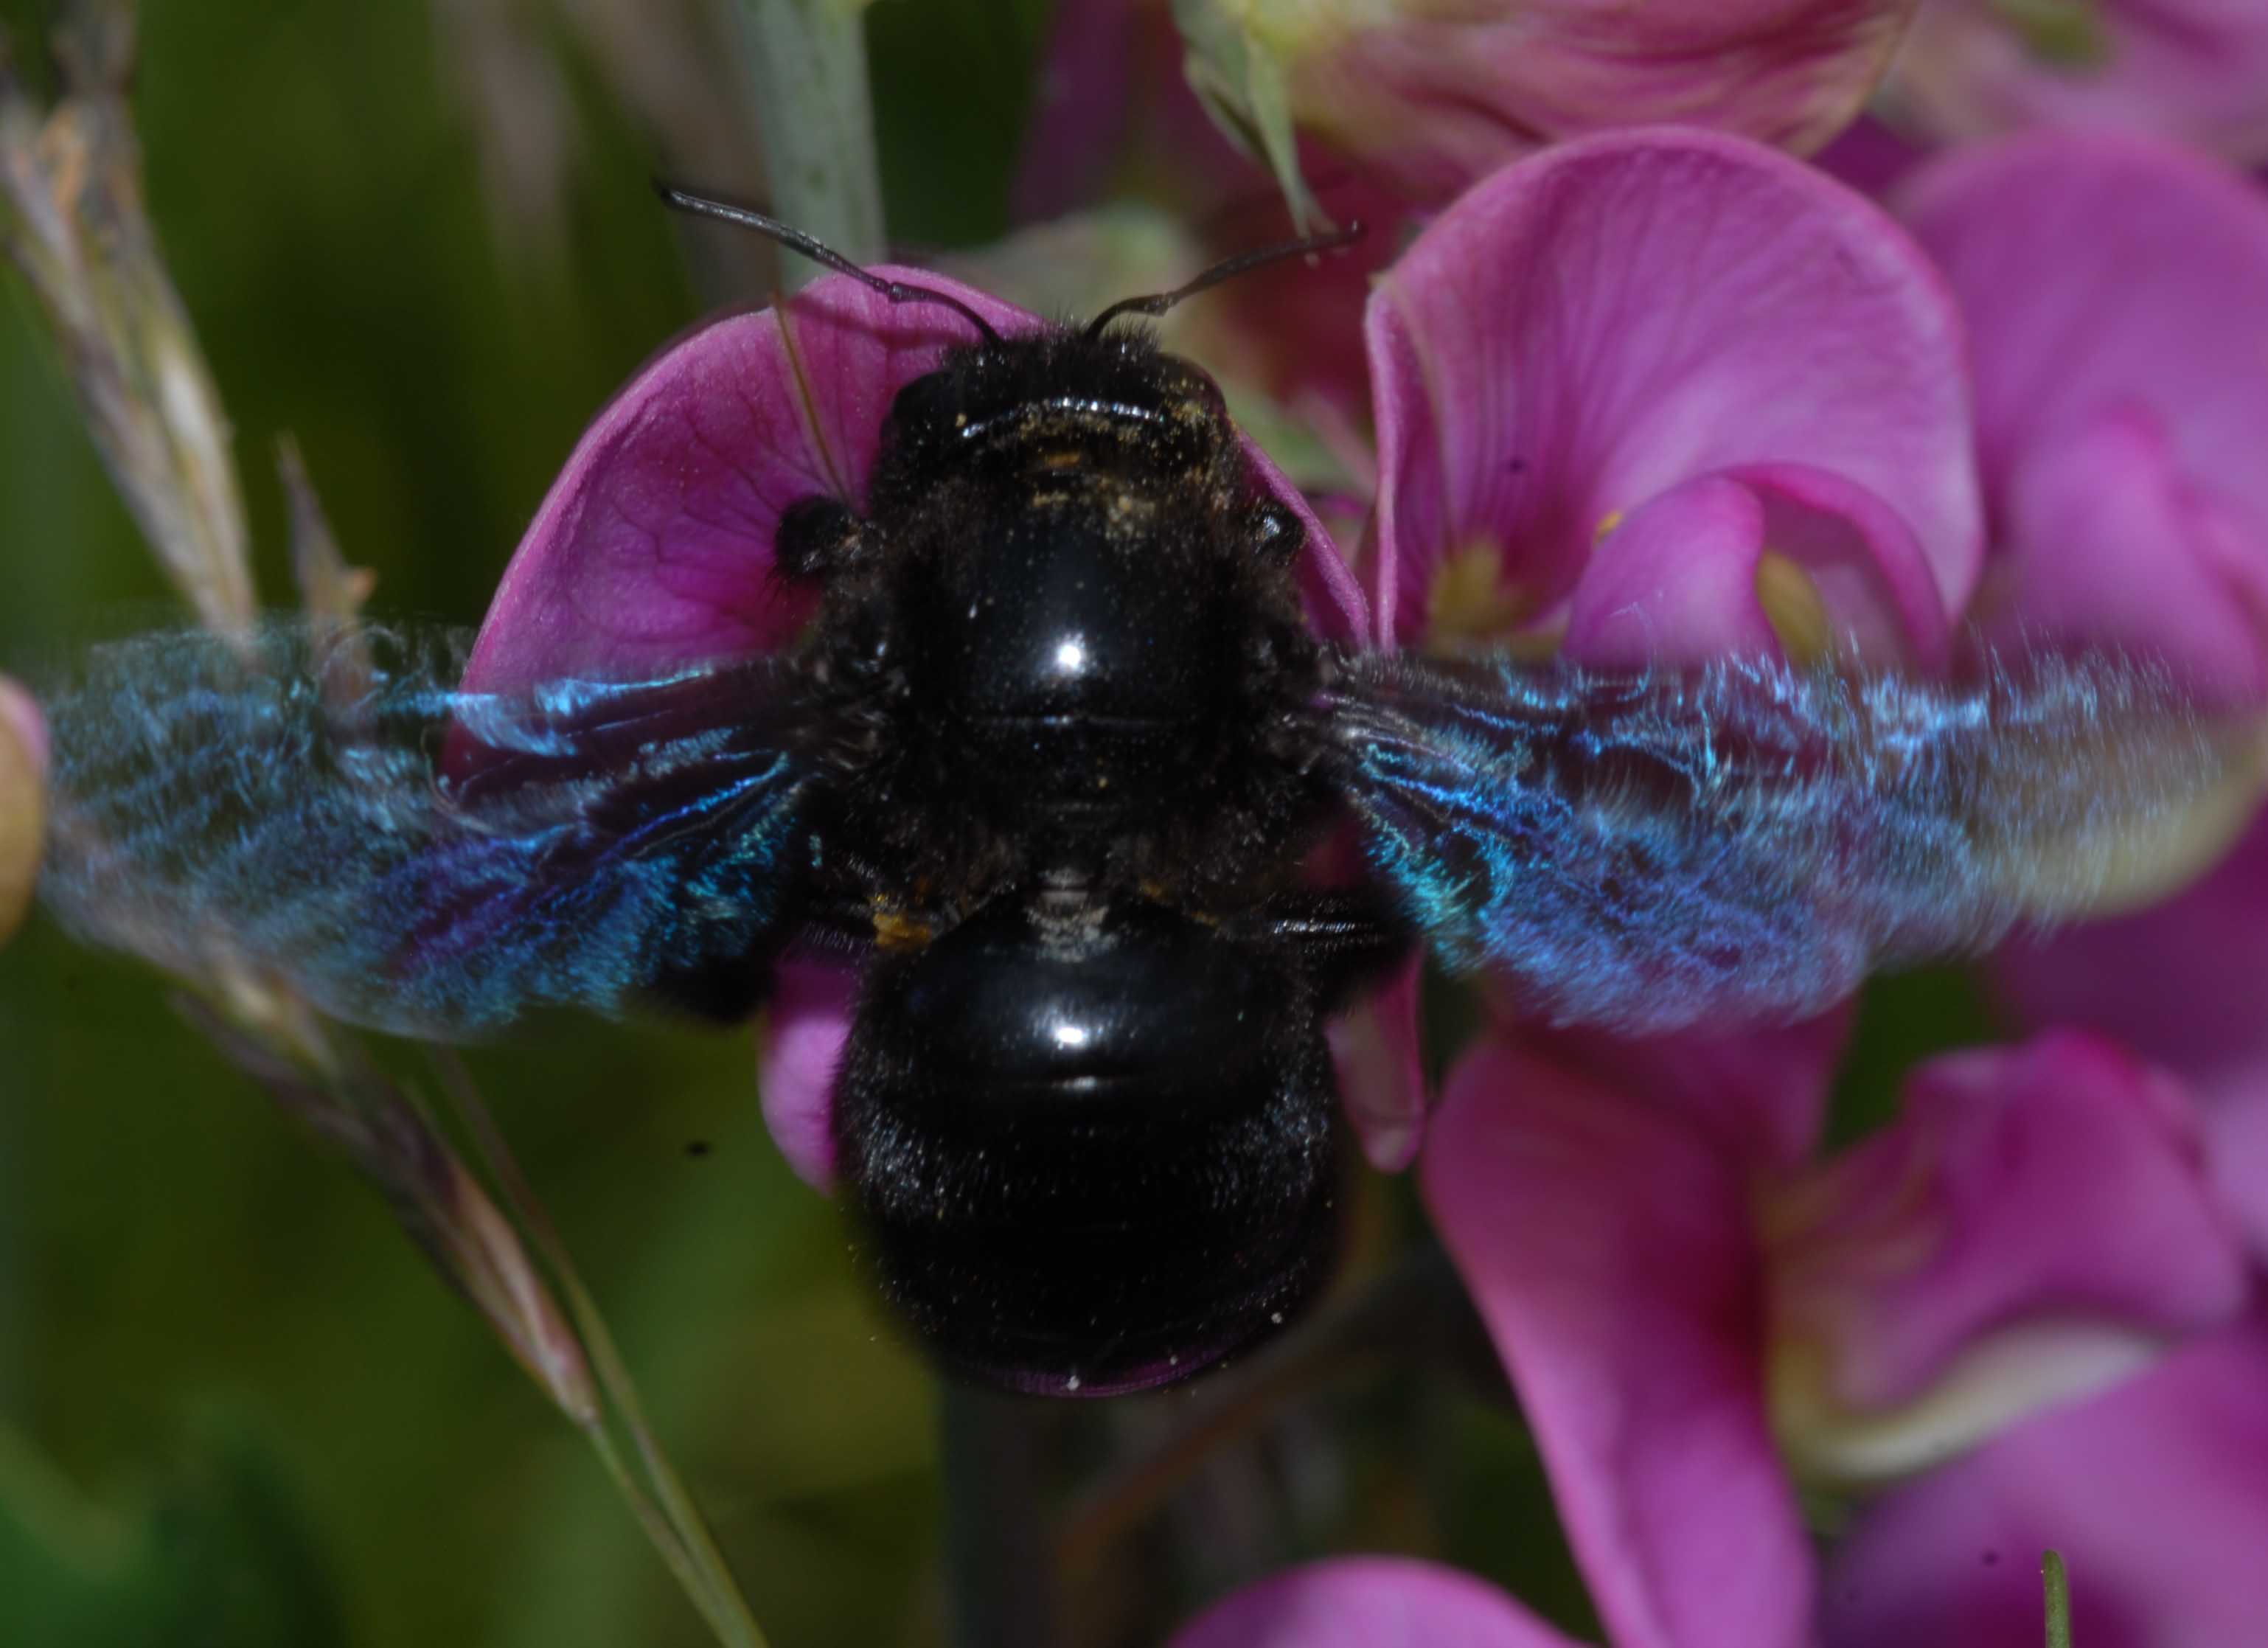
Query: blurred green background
point(236, 1406)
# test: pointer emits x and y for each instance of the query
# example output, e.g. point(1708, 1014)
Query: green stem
point(805, 63)
point(2059, 1587)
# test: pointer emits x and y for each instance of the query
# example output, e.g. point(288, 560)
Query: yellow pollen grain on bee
point(894, 930)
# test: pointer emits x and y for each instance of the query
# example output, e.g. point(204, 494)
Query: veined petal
point(1609, 1249)
point(1591, 329)
point(1368, 1602)
point(654, 546)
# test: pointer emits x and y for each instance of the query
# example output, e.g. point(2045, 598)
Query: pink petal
point(2182, 982)
point(654, 548)
point(798, 1048)
point(1608, 1251)
point(1676, 582)
point(1761, 1094)
point(2119, 425)
point(1593, 328)
point(1379, 1053)
point(2107, 543)
point(2188, 69)
point(2156, 1493)
point(2058, 1183)
point(1368, 1602)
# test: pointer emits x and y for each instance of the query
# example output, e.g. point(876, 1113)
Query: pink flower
point(1428, 97)
point(1691, 1326)
point(2195, 69)
point(654, 549)
point(1652, 397)
point(1662, 394)
point(2120, 432)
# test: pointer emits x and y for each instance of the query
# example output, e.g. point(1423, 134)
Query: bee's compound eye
point(1276, 534)
point(816, 535)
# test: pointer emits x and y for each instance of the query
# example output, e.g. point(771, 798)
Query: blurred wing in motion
point(323, 807)
point(1643, 852)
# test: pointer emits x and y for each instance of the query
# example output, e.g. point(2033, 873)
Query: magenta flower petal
point(1761, 1094)
point(1677, 583)
point(1609, 1250)
point(2107, 542)
point(2062, 1182)
point(1368, 1602)
point(2156, 1493)
point(1379, 1051)
point(654, 548)
point(1593, 328)
point(2189, 69)
point(806, 1024)
point(2182, 982)
point(2119, 431)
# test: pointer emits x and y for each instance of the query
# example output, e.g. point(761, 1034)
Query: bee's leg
point(1344, 938)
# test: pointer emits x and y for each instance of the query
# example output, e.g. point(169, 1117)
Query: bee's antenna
point(794, 239)
point(1227, 268)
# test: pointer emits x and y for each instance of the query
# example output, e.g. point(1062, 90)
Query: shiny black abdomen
point(1094, 1153)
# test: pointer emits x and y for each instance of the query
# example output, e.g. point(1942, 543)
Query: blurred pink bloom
point(654, 551)
point(2114, 293)
point(2194, 69)
point(1368, 1602)
point(2121, 420)
point(1687, 1322)
point(1429, 95)
point(1660, 395)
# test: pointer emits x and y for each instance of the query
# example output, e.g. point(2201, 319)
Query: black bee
point(1050, 763)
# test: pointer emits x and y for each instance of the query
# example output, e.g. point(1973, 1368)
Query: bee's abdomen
point(1094, 1155)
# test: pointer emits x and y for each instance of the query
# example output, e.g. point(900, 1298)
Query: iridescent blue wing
point(1644, 852)
point(326, 809)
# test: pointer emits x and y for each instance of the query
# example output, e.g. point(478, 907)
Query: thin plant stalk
point(2056, 1582)
point(805, 62)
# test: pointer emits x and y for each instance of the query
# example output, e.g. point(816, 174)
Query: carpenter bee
point(1051, 762)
